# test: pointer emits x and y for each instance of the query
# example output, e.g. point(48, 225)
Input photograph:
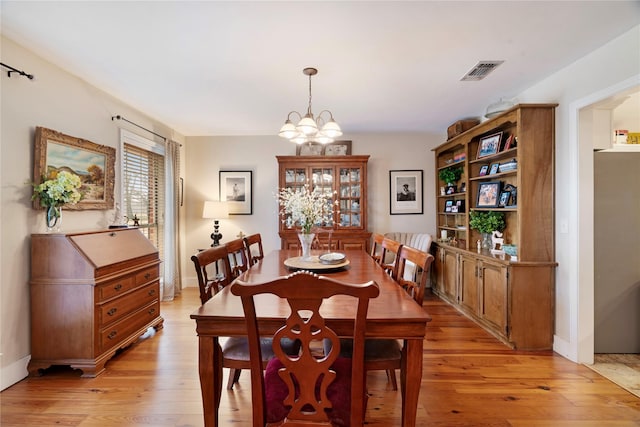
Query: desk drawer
point(147, 275)
point(115, 310)
point(115, 288)
point(119, 331)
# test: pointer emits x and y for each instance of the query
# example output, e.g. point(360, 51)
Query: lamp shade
point(215, 209)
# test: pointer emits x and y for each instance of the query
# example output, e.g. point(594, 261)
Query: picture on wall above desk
point(405, 192)
point(94, 164)
point(236, 189)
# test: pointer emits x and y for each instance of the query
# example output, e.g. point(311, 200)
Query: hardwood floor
point(470, 379)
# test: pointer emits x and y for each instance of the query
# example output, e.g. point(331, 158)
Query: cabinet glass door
point(349, 197)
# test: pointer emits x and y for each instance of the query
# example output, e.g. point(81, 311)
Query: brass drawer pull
point(118, 287)
point(146, 276)
point(112, 311)
point(112, 335)
point(152, 292)
point(152, 310)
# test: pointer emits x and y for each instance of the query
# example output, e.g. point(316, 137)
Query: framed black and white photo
point(489, 145)
point(337, 148)
point(488, 194)
point(236, 190)
point(405, 192)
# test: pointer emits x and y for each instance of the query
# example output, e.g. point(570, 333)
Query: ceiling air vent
point(481, 70)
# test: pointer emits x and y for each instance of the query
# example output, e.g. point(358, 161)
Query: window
point(143, 186)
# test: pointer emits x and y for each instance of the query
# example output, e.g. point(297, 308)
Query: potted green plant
point(450, 175)
point(486, 222)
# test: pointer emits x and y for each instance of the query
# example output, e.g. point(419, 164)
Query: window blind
point(144, 192)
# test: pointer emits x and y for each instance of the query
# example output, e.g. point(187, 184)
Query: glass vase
point(487, 242)
point(53, 218)
point(306, 239)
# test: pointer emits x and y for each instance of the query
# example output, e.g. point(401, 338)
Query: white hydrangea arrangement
point(305, 208)
point(58, 191)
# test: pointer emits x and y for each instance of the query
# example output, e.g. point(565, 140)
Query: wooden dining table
point(393, 314)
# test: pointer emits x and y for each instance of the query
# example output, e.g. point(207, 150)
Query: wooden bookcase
point(513, 297)
point(344, 175)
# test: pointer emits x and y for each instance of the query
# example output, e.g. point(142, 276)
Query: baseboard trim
point(13, 373)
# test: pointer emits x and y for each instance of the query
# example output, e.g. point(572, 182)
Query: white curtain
point(172, 282)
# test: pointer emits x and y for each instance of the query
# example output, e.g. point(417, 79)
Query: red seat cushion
point(338, 392)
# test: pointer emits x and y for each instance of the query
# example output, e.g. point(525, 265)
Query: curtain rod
point(15, 70)
point(135, 124)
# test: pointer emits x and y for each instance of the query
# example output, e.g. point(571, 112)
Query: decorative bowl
point(332, 258)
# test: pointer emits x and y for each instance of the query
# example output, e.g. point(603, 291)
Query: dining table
point(393, 314)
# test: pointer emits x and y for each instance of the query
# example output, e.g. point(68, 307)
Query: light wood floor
point(470, 379)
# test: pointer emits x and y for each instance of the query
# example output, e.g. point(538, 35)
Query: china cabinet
point(507, 165)
point(343, 176)
point(91, 295)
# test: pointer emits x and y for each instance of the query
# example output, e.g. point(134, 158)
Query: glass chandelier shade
point(310, 128)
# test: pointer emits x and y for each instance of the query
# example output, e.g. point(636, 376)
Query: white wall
point(59, 101)
point(206, 156)
point(615, 64)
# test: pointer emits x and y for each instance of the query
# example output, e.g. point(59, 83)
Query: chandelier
point(310, 129)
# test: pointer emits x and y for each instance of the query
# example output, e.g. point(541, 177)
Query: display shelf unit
point(512, 297)
point(343, 176)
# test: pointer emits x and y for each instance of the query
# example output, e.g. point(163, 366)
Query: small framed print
point(236, 190)
point(488, 194)
point(448, 205)
point(459, 206)
point(463, 187)
point(337, 148)
point(451, 189)
point(504, 199)
point(454, 209)
point(494, 168)
point(483, 170)
point(405, 192)
point(489, 145)
point(309, 149)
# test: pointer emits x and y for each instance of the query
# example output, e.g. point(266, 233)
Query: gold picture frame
point(93, 163)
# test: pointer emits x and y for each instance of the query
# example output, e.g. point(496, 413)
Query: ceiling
point(235, 68)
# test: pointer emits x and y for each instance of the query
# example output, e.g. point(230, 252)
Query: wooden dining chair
point(417, 263)
point(389, 256)
point(376, 246)
point(214, 272)
point(237, 257)
point(308, 389)
point(323, 241)
point(253, 245)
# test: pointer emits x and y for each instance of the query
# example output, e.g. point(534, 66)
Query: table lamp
point(216, 210)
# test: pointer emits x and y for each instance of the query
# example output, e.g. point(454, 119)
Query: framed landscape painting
point(93, 163)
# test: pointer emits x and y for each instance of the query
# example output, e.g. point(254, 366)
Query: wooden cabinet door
point(450, 272)
point(493, 285)
point(468, 296)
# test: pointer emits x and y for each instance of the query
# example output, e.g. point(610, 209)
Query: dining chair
point(253, 245)
point(376, 246)
point(237, 257)
point(235, 350)
point(417, 264)
point(322, 243)
point(389, 256)
point(308, 389)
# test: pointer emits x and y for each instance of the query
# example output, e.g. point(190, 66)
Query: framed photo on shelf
point(337, 148)
point(488, 194)
point(236, 190)
point(309, 149)
point(494, 168)
point(504, 199)
point(483, 170)
point(448, 205)
point(93, 163)
point(489, 145)
point(459, 206)
point(405, 192)
point(509, 143)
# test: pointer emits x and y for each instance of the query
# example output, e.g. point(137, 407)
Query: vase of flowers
point(306, 209)
point(56, 192)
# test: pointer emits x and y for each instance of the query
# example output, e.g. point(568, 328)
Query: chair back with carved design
point(308, 388)
point(376, 246)
point(253, 244)
point(389, 256)
point(422, 262)
point(237, 257)
point(213, 271)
